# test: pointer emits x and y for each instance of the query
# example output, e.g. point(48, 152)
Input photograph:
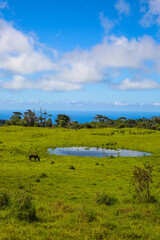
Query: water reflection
point(96, 152)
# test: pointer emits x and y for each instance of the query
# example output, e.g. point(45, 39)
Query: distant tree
point(120, 122)
point(44, 118)
point(130, 123)
point(41, 118)
point(73, 125)
point(43, 122)
point(2, 122)
point(87, 125)
point(37, 124)
point(155, 119)
point(142, 119)
point(62, 120)
point(99, 118)
point(30, 118)
point(48, 123)
point(121, 119)
point(15, 119)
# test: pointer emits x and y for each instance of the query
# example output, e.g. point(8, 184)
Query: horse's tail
point(29, 157)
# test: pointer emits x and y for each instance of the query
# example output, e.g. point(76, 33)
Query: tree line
point(31, 119)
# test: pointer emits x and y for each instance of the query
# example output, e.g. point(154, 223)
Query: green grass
point(65, 199)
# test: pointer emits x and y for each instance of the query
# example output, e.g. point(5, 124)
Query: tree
point(48, 123)
point(73, 125)
point(2, 122)
point(99, 118)
point(130, 123)
point(44, 118)
point(41, 118)
point(43, 122)
point(15, 119)
point(122, 119)
point(30, 118)
point(62, 120)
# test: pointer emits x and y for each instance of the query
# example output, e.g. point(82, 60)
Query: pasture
point(65, 189)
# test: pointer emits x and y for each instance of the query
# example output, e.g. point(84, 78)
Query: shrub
point(43, 175)
point(100, 234)
point(122, 125)
point(88, 215)
point(61, 206)
point(91, 215)
point(24, 207)
point(141, 180)
point(4, 199)
point(103, 198)
point(21, 186)
point(72, 167)
point(37, 180)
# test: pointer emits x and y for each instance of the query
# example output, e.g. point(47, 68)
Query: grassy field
point(65, 198)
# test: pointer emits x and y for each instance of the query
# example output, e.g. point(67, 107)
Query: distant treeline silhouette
point(43, 119)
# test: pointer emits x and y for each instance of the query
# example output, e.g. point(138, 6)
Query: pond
point(96, 152)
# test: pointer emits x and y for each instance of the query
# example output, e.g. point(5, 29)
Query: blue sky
point(80, 55)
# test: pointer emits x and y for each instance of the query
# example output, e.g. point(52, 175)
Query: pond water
point(96, 152)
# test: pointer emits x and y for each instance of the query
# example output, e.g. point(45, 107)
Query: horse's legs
point(38, 158)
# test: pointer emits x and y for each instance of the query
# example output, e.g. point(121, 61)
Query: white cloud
point(156, 104)
point(21, 56)
point(46, 84)
point(123, 7)
point(151, 9)
point(106, 23)
point(3, 4)
point(118, 103)
point(78, 67)
point(87, 66)
point(128, 84)
point(18, 53)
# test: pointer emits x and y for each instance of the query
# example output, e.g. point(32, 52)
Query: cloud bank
point(25, 64)
point(128, 84)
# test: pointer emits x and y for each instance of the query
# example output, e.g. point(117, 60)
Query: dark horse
point(35, 156)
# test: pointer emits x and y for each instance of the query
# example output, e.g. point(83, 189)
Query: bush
point(24, 207)
point(122, 125)
point(43, 175)
point(141, 180)
point(37, 180)
point(72, 167)
point(88, 215)
point(91, 215)
point(103, 198)
point(4, 199)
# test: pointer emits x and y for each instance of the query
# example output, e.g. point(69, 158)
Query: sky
point(80, 55)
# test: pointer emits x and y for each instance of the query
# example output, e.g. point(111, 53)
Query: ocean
point(88, 116)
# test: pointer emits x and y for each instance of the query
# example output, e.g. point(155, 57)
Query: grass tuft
point(24, 208)
point(103, 198)
point(4, 199)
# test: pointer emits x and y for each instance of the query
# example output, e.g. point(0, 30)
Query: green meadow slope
point(64, 197)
